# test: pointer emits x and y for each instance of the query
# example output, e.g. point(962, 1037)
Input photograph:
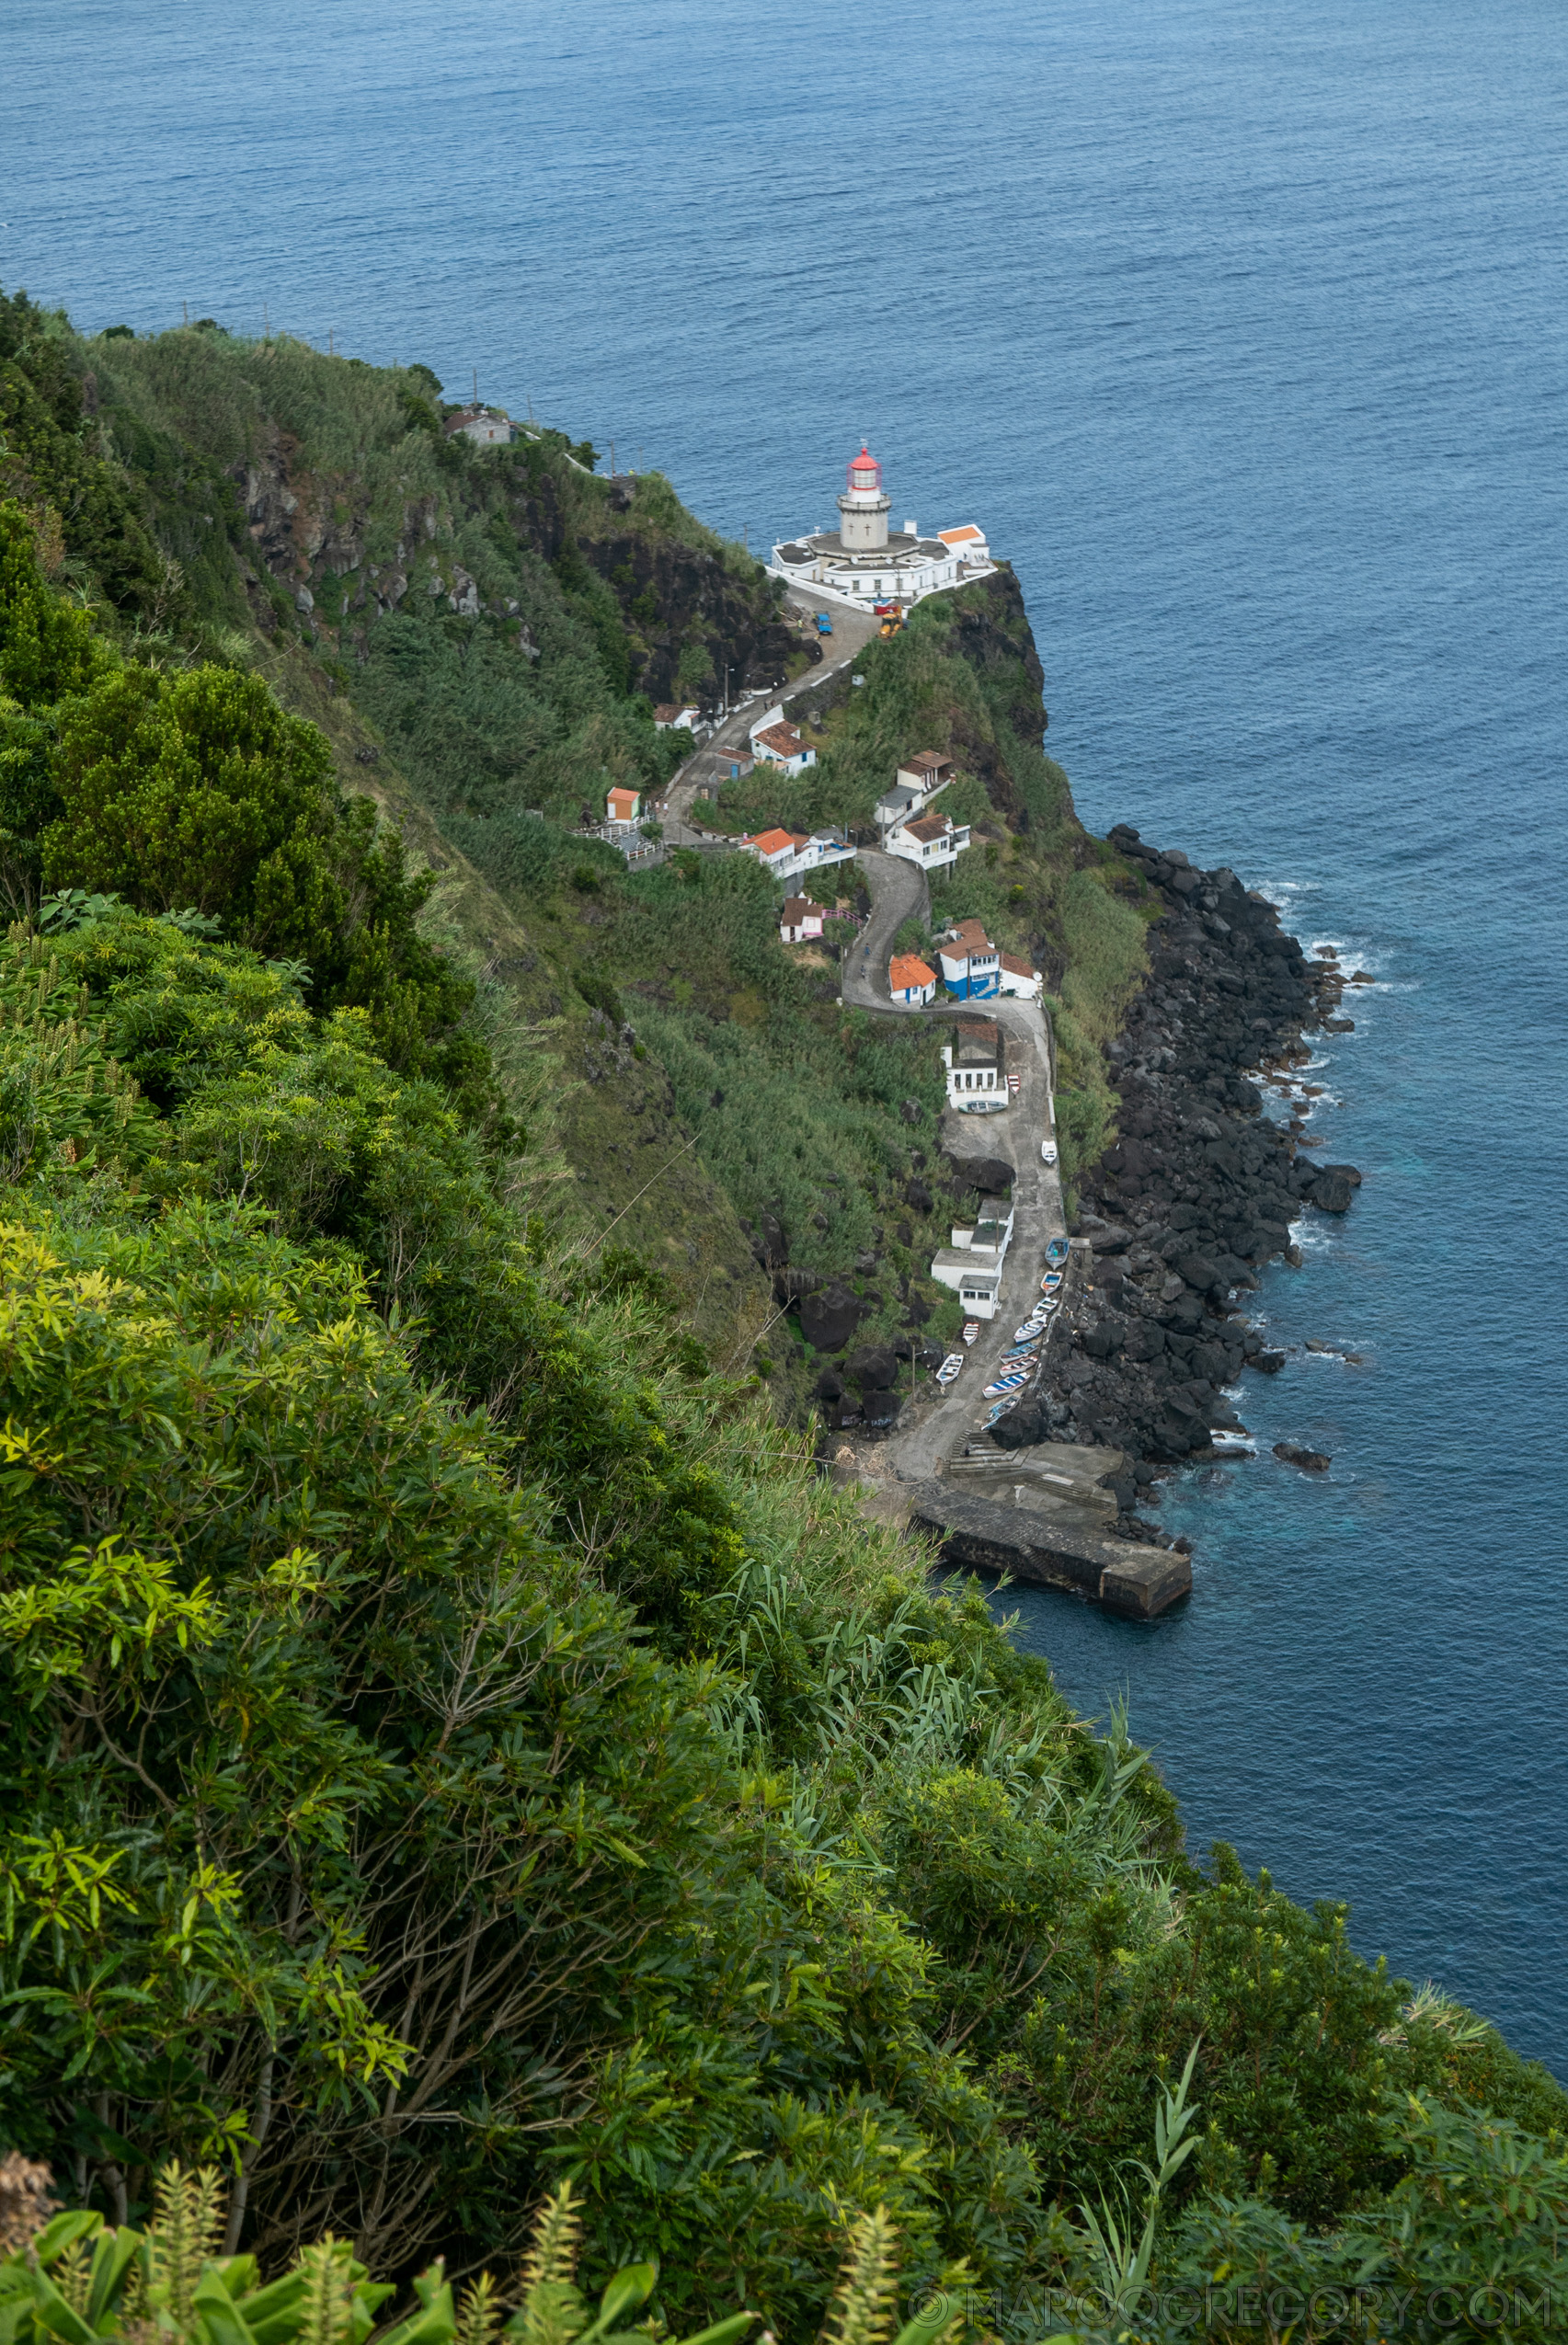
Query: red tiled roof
point(773, 843)
point(907, 969)
point(929, 825)
point(782, 737)
point(1011, 962)
point(971, 935)
point(798, 909)
point(925, 762)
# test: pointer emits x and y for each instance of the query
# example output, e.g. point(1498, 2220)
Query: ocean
point(1241, 330)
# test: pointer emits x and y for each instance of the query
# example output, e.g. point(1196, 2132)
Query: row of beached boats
point(1018, 1364)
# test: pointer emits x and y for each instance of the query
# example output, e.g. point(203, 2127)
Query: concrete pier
point(1041, 1518)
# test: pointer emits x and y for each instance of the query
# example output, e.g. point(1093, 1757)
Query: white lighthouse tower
point(864, 505)
point(866, 565)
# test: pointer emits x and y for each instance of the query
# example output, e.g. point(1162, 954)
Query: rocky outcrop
point(1199, 1189)
point(675, 597)
point(1310, 1461)
point(828, 1317)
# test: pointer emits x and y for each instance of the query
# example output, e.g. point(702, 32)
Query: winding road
point(930, 1430)
point(852, 630)
point(931, 1433)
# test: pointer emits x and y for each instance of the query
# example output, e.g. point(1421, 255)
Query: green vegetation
point(455, 1744)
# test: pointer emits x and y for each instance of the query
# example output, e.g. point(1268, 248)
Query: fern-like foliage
point(861, 2309)
point(479, 2315)
point(327, 2268)
point(183, 2238)
point(552, 2258)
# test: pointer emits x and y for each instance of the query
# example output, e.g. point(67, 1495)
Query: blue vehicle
point(824, 623)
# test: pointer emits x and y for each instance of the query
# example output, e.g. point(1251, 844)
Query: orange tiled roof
point(906, 970)
point(773, 842)
point(959, 537)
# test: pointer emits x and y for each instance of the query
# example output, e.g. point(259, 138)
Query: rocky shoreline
point(1199, 1190)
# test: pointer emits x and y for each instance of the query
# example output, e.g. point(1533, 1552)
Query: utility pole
point(475, 386)
point(611, 460)
point(331, 350)
point(265, 323)
point(184, 313)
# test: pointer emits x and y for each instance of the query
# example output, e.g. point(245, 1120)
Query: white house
point(968, 544)
point(973, 1263)
point(798, 919)
point(782, 745)
point(1017, 976)
point(621, 808)
point(786, 853)
point(778, 743)
point(895, 803)
point(928, 839)
point(926, 772)
point(862, 561)
point(909, 981)
point(486, 427)
point(777, 851)
point(669, 716)
point(970, 963)
point(977, 1083)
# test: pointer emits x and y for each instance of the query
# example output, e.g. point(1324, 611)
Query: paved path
point(852, 630)
point(934, 1432)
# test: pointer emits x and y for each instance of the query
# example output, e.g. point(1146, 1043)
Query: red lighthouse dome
point(864, 473)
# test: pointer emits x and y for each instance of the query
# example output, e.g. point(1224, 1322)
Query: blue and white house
point(971, 964)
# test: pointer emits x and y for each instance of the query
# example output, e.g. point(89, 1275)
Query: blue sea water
point(1241, 329)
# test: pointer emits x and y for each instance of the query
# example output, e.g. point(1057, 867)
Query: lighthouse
point(863, 563)
point(864, 505)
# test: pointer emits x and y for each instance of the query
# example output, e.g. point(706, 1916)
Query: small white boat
point(1004, 1384)
point(971, 1329)
point(950, 1368)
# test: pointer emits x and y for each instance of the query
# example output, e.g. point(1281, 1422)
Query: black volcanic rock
point(1205, 1184)
point(1022, 1426)
point(875, 1367)
point(829, 1318)
point(991, 1174)
point(1310, 1461)
point(1329, 1194)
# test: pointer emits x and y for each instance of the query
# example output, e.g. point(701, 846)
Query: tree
point(46, 646)
point(199, 790)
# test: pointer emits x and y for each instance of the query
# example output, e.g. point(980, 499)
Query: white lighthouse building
point(864, 563)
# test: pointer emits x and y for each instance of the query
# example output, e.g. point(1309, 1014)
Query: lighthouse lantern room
point(862, 562)
point(864, 505)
